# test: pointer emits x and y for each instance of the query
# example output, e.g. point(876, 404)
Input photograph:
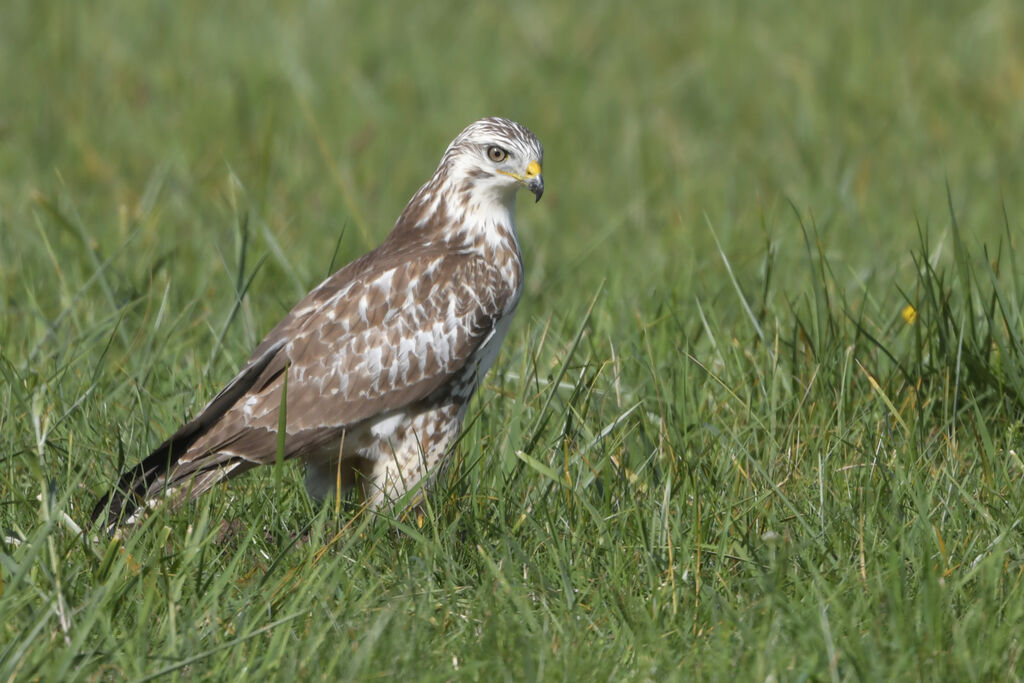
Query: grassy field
point(760, 415)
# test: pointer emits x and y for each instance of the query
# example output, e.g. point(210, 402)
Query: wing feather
point(378, 335)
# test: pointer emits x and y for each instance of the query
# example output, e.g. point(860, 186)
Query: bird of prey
point(378, 363)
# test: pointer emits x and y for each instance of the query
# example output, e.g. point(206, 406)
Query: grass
point(759, 416)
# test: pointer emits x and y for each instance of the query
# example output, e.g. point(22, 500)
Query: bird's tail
point(175, 462)
point(143, 484)
point(164, 474)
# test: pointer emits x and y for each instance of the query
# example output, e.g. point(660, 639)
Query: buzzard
point(375, 367)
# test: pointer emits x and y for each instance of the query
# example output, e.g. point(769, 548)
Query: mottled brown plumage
point(383, 357)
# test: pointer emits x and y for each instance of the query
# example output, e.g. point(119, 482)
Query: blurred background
point(154, 126)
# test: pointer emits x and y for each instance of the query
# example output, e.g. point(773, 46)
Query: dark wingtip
point(100, 509)
point(112, 509)
point(122, 501)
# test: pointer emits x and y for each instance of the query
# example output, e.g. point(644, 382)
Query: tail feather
point(142, 482)
point(162, 470)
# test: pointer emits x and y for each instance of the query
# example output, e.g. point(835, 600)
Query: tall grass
point(759, 415)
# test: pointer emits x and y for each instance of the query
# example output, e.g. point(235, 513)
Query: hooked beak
point(533, 180)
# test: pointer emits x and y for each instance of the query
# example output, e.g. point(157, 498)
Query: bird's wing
point(378, 335)
point(386, 331)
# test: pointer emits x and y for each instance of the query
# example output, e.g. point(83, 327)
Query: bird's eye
point(496, 154)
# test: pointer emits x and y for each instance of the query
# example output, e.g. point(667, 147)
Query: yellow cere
point(533, 169)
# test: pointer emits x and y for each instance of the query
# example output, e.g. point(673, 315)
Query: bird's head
point(472, 193)
point(495, 156)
